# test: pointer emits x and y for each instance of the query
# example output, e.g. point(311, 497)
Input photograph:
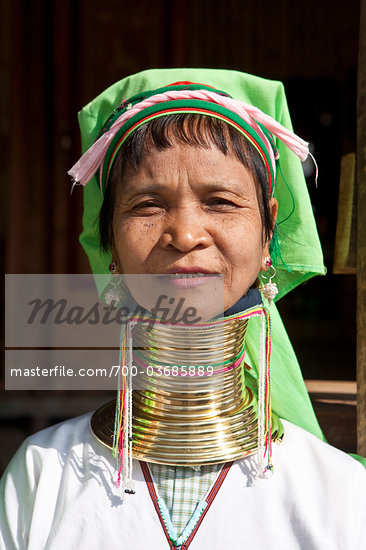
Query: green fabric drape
point(297, 234)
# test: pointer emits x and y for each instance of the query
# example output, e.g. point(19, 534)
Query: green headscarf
point(297, 233)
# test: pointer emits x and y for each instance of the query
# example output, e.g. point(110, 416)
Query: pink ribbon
point(85, 168)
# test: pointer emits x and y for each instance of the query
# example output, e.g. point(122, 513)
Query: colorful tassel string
point(122, 441)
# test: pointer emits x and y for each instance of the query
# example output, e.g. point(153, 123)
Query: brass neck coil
point(188, 420)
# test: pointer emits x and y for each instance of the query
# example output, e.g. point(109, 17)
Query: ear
point(115, 257)
point(273, 206)
point(113, 268)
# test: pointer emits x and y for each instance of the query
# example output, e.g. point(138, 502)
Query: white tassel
point(261, 392)
point(127, 465)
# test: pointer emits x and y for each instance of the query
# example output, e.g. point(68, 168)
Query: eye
point(147, 205)
point(220, 202)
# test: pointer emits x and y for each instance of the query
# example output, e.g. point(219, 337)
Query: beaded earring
point(114, 296)
point(269, 289)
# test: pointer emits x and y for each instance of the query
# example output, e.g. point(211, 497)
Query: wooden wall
point(56, 55)
point(59, 54)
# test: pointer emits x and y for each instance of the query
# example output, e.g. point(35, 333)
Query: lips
point(188, 277)
point(190, 270)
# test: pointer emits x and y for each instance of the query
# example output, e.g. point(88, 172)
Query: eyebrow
point(154, 187)
point(145, 189)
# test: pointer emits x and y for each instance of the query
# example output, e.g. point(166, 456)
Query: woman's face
point(190, 210)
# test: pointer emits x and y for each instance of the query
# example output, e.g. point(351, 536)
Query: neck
point(199, 411)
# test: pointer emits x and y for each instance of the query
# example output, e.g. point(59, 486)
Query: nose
point(185, 229)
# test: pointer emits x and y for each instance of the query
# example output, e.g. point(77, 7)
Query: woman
point(188, 179)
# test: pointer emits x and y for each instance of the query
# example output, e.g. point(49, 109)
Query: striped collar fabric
point(182, 489)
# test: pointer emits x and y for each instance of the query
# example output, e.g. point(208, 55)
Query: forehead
point(206, 167)
point(188, 129)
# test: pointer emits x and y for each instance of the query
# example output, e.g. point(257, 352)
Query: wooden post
point(361, 236)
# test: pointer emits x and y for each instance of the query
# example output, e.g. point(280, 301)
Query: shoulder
point(70, 431)
point(322, 489)
point(50, 449)
point(314, 452)
point(40, 467)
point(58, 438)
point(312, 467)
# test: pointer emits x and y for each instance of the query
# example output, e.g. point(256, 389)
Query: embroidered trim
point(154, 498)
point(203, 506)
point(210, 498)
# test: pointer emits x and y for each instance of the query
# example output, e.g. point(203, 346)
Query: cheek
point(133, 244)
point(247, 260)
point(243, 244)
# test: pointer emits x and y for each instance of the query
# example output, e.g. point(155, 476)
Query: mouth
point(188, 277)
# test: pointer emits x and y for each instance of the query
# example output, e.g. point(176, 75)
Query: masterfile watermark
point(71, 311)
point(58, 327)
point(60, 312)
point(90, 370)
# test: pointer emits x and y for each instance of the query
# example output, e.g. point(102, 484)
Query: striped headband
point(185, 98)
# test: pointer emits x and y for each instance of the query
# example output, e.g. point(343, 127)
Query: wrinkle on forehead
point(205, 171)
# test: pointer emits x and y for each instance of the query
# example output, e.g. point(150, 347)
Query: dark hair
point(196, 131)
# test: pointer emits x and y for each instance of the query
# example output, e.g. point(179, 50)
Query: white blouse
point(59, 493)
